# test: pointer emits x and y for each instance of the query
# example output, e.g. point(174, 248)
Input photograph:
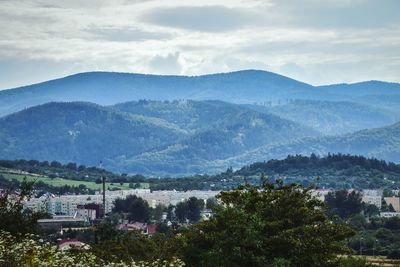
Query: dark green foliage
point(394, 254)
point(195, 206)
point(343, 203)
point(393, 223)
point(378, 236)
point(113, 245)
point(181, 211)
point(86, 133)
point(189, 210)
point(56, 169)
point(333, 170)
point(83, 133)
point(211, 203)
point(282, 224)
point(135, 208)
point(157, 212)
point(179, 137)
point(13, 217)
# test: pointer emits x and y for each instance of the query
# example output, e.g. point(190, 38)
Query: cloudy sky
point(319, 42)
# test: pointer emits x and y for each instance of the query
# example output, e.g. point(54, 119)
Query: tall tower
point(103, 180)
point(104, 194)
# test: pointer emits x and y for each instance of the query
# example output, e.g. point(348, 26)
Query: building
point(320, 193)
point(394, 201)
point(58, 222)
point(70, 204)
point(373, 197)
point(389, 214)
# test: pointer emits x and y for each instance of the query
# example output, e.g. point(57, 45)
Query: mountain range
point(176, 125)
point(247, 86)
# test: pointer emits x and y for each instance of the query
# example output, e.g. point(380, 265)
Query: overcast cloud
point(319, 42)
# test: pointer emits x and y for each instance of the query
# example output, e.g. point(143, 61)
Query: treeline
point(336, 171)
point(375, 235)
point(14, 184)
point(331, 161)
point(70, 171)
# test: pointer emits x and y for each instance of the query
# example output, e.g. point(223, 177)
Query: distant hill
point(81, 132)
point(330, 171)
point(248, 86)
point(387, 102)
point(332, 118)
point(382, 143)
point(139, 142)
point(362, 88)
point(110, 88)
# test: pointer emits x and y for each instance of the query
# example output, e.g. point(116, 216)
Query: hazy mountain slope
point(238, 134)
point(86, 133)
point(111, 88)
point(332, 118)
point(81, 132)
point(190, 114)
point(362, 88)
point(382, 143)
point(247, 86)
point(387, 102)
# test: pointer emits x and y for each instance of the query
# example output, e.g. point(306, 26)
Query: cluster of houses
point(81, 211)
point(74, 205)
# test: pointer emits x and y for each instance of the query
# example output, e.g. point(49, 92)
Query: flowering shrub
point(26, 251)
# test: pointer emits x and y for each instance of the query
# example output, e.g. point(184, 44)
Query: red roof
point(151, 229)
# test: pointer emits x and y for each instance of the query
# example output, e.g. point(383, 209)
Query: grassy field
point(58, 182)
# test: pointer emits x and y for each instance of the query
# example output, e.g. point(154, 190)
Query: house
point(394, 201)
point(151, 229)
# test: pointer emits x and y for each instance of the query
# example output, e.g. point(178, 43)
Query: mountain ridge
point(108, 88)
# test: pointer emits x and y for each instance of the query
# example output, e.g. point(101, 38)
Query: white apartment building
point(68, 204)
point(373, 197)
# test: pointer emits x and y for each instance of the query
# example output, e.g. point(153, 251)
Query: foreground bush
point(26, 251)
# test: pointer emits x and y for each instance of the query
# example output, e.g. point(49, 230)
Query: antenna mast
point(103, 180)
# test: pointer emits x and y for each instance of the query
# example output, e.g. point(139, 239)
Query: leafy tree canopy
point(253, 227)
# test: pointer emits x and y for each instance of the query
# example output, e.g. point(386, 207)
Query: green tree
point(194, 206)
point(170, 212)
point(261, 227)
point(135, 208)
point(157, 212)
point(14, 218)
point(343, 204)
point(211, 203)
point(181, 211)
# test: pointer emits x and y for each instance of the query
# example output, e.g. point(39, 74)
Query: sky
point(318, 42)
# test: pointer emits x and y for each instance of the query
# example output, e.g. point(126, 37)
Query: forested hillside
point(126, 142)
point(81, 132)
point(332, 171)
point(180, 125)
point(247, 86)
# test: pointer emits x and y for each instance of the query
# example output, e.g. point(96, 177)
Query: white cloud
point(313, 41)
